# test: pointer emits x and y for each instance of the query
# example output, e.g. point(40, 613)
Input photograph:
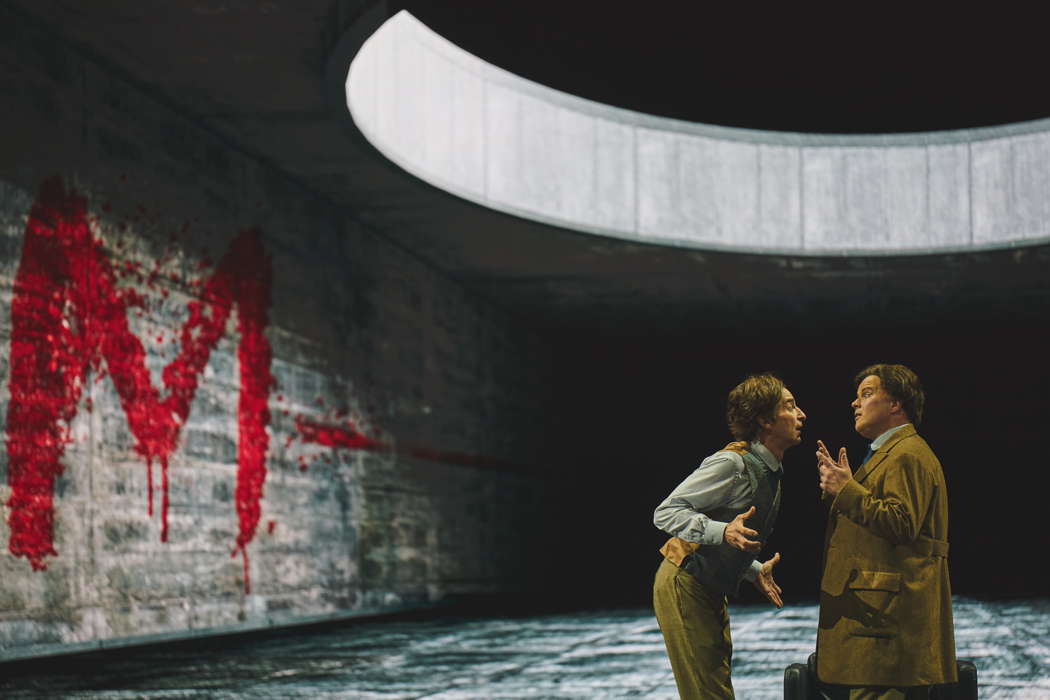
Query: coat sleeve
point(896, 506)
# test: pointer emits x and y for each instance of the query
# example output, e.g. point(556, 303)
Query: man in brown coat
point(885, 600)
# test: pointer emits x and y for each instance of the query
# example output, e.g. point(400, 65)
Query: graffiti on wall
point(68, 317)
point(69, 322)
point(346, 434)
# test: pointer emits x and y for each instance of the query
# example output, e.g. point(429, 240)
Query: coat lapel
point(882, 453)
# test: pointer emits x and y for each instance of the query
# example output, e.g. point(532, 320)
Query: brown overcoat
point(885, 598)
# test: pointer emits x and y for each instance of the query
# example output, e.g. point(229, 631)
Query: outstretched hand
point(737, 533)
point(833, 474)
point(764, 582)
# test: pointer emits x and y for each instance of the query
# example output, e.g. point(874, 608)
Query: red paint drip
point(149, 483)
point(244, 566)
point(349, 436)
point(164, 499)
point(346, 436)
point(67, 316)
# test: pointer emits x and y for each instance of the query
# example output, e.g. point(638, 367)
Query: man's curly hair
point(755, 397)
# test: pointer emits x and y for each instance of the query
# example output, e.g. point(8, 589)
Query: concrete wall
point(403, 446)
point(508, 143)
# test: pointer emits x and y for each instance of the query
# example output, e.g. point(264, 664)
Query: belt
point(930, 547)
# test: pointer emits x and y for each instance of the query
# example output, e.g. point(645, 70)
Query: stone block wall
point(399, 423)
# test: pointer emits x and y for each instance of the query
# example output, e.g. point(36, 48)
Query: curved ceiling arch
point(504, 142)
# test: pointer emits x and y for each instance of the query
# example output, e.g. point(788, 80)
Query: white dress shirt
point(881, 440)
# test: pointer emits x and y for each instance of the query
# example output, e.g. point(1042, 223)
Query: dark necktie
point(867, 456)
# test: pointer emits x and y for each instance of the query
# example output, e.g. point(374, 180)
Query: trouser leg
point(694, 622)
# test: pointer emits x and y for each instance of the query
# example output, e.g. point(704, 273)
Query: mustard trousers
point(694, 621)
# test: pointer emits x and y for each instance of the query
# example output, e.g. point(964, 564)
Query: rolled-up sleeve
point(716, 482)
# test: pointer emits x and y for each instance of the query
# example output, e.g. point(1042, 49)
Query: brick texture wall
point(366, 341)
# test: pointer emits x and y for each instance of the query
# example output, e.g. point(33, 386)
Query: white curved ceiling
point(510, 144)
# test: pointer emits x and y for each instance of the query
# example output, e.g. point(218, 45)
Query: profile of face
point(785, 429)
point(874, 410)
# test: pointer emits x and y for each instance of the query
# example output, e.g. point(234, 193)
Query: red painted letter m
point(68, 316)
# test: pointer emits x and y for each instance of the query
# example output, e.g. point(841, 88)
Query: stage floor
point(595, 655)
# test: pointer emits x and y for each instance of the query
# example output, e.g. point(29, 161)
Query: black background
point(638, 415)
point(836, 69)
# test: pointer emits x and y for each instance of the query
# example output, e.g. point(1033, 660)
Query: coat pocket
point(875, 581)
point(874, 596)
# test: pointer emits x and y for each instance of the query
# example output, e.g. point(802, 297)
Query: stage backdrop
point(225, 403)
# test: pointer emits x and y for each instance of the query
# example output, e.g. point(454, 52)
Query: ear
point(896, 406)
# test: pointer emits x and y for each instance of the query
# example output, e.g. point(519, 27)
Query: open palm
point(765, 583)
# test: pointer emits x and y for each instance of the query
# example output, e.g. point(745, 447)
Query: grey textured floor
point(593, 655)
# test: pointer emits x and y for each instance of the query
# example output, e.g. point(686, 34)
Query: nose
point(856, 403)
point(801, 415)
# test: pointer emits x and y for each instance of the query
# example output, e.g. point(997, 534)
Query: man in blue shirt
point(718, 518)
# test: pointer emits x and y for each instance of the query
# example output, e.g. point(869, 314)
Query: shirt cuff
point(714, 533)
point(751, 572)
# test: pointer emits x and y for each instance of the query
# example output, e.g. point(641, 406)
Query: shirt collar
point(762, 451)
point(881, 440)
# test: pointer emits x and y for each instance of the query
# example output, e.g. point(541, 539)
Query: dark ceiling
point(254, 73)
point(777, 66)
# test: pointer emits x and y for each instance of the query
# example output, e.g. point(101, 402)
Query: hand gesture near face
point(737, 533)
point(833, 474)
